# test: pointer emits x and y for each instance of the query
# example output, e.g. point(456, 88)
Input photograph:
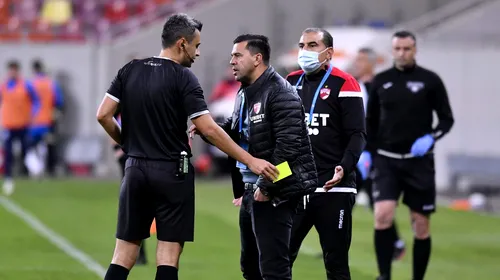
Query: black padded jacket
point(277, 133)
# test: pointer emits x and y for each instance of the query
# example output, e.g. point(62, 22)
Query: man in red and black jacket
point(334, 111)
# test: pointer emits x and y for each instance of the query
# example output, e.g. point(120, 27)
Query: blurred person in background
point(364, 71)
point(401, 138)
point(19, 103)
point(41, 132)
point(56, 12)
point(334, 112)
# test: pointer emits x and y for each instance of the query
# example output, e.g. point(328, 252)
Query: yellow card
point(284, 170)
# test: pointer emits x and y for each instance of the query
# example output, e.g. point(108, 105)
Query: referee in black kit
point(334, 111)
point(401, 139)
point(157, 95)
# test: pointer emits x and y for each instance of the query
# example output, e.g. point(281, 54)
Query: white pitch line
point(59, 241)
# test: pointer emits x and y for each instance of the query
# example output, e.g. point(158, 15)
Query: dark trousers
point(331, 215)
point(10, 136)
point(265, 238)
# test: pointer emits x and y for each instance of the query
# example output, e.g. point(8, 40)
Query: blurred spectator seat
point(56, 12)
point(144, 7)
point(72, 20)
point(88, 13)
point(163, 2)
point(4, 11)
point(72, 32)
point(41, 32)
point(116, 11)
point(26, 10)
point(11, 31)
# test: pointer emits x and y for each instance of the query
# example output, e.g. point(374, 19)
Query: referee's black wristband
point(116, 147)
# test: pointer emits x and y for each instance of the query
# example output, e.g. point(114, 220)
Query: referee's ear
point(181, 43)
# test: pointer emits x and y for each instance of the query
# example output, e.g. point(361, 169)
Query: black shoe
point(382, 278)
point(399, 253)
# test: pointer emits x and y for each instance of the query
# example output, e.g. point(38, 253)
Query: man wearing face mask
point(157, 96)
point(401, 138)
point(334, 111)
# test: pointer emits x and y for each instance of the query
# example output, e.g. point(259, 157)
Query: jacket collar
point(408, 69)
point(252, 89)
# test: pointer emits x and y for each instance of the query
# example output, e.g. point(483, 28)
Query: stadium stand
point(42, 21)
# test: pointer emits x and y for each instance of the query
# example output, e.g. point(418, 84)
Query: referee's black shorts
point(150, 189)
point(412, 177)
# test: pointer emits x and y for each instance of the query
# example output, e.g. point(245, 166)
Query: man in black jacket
point(401, 139)
point(268, 121)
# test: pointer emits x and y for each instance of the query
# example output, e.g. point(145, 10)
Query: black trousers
point(265, 238)
point(331, 215)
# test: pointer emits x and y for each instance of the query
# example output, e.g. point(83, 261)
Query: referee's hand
point(264, 168)
point(337, 177)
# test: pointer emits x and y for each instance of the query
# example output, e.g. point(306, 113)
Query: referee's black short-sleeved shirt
point(157, 96)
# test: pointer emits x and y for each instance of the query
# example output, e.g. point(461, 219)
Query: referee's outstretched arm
point(226, 126)
point(217, 136)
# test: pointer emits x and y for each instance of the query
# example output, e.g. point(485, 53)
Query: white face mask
point(309, 61)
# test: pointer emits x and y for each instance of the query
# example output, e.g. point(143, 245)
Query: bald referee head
point(157, 95)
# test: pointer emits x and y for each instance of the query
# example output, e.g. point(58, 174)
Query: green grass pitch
point(465, 245)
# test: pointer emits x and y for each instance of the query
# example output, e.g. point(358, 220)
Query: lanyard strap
point(315, 98)
point(241, 111)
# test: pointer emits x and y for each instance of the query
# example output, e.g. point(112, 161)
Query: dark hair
point(256, 44)
point(13, 64)
point(179, 26)
point(37, 65)
point(372, 55)
point(327, 37)
point(405, 34)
